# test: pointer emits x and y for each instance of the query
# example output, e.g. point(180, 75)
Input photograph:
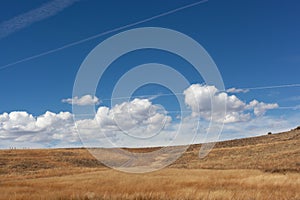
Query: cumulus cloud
point(237, 90)
point(138, 118)
point(200, 99)
point(20, 126)
point(82, 101)
point(260, 108)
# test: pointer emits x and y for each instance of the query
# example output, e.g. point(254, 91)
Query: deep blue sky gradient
point(254, 43)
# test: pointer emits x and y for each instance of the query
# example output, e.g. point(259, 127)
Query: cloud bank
point(137, 119)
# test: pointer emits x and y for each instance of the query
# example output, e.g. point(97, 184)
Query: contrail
point(271, 87)
point(289, 107)
point(103, 33)
point(227, 91)
point(43, 12)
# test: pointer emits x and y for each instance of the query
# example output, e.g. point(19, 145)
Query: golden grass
point(264, 167)
point(164, 184)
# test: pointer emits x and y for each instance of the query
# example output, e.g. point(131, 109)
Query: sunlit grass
point(256, 168)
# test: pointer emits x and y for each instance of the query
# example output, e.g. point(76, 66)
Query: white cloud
point(82, 101)
point(20, 126)
point(260, 108)
point(136, 114)
point(237, 90)
point(200, 99)
point(260, 126)
point(139, 118)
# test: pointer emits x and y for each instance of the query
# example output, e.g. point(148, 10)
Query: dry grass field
point(266, 167)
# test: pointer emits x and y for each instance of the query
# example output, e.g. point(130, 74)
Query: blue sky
point(253, 43)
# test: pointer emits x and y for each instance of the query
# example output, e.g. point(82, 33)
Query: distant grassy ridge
point(265, 167)
point(275, 153)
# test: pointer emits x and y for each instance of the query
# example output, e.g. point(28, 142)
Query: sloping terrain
point(265, 167)
point(276, 152)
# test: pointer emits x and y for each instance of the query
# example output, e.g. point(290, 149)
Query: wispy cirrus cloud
point(26, 19)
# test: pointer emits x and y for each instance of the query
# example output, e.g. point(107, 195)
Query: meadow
point(265, 167)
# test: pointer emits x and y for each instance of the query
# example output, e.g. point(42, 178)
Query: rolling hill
point(264, 167)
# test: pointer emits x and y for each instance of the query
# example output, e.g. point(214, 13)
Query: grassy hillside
point(265, 167)
point(275, 153)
